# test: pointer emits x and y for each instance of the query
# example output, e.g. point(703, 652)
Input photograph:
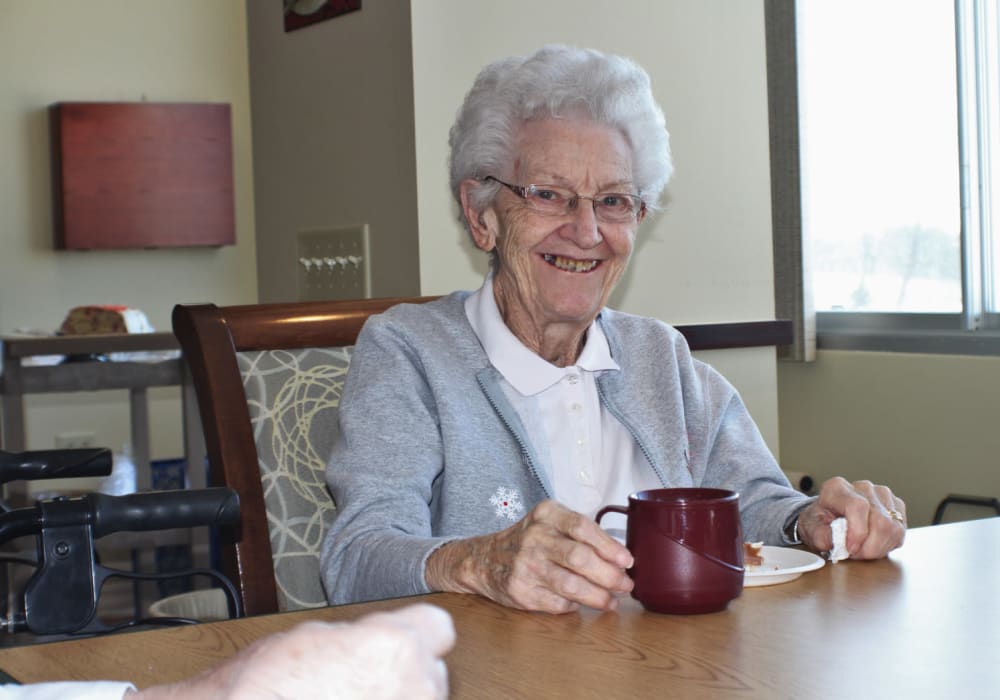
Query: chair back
point(268, 379)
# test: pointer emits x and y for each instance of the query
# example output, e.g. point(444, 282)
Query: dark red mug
point(687, 544)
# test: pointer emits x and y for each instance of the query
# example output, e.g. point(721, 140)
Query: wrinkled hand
point(392, 655)
point(872, 531)
point(553, 560)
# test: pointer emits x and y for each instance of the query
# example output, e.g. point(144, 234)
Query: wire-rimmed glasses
point(553, 200)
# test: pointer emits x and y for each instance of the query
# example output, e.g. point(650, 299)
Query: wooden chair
point(268, 379)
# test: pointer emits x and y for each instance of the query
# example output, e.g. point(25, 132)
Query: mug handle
point(610, 509)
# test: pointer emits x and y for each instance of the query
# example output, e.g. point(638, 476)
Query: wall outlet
point(334, 264)
point(75, 439)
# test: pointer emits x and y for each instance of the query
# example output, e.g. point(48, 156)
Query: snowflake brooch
point(507, 503)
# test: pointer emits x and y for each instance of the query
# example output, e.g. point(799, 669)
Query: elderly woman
point(482, 431)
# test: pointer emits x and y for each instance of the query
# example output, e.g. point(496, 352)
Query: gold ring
point(897, 516)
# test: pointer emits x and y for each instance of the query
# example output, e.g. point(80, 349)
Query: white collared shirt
point(591, 459)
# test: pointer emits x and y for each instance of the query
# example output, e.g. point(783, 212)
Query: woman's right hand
point(553, 560)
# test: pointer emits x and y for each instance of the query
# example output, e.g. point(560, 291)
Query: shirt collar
point(525, 370)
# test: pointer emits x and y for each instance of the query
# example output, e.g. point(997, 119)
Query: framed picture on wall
point(302, 13)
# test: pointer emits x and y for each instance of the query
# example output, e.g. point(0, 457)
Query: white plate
point(781, 564)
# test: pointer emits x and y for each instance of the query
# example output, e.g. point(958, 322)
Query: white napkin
point(839, 550)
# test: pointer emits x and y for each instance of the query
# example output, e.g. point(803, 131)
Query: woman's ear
point(482, 223)
point(643, 211)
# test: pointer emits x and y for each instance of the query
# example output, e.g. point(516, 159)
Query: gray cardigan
point(430, 449)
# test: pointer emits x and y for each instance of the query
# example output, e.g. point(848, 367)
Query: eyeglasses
point(552, 200)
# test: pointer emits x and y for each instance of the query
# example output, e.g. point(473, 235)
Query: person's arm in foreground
point(876, 518)
point(553, 559)
point(384, 655)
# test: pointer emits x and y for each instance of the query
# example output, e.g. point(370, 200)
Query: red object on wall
point(142, 175)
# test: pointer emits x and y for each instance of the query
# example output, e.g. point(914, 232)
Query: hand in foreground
point(554, 560)
point(876, 518)
point(384, 655)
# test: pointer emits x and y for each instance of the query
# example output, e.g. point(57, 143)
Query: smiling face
point(555, 273)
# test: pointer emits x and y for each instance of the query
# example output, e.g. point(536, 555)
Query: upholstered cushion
point(293, 397)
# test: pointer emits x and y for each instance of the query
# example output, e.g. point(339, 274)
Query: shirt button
point(573, 378)
point(576, 408)
point(585, 476)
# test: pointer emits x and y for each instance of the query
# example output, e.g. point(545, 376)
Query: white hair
point(552, 82)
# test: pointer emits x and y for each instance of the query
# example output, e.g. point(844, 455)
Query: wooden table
point(923, 624)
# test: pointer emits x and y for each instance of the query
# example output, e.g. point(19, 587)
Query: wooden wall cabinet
point(142, 175)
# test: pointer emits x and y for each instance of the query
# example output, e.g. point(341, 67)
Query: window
point(898, 137)
point(879, 154)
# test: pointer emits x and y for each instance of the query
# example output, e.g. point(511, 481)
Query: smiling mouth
point(569, 264)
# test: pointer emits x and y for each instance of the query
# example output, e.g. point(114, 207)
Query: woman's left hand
point(876, 518)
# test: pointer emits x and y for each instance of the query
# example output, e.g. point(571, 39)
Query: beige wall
point(924, 424)
point(112, 50)
point(333, 140)
point(708, 257)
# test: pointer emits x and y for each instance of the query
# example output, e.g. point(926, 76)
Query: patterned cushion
point(293, 397)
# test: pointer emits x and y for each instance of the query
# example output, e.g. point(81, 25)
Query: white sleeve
point(95, 690)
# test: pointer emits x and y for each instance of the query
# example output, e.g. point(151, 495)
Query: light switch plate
point(334, 263)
